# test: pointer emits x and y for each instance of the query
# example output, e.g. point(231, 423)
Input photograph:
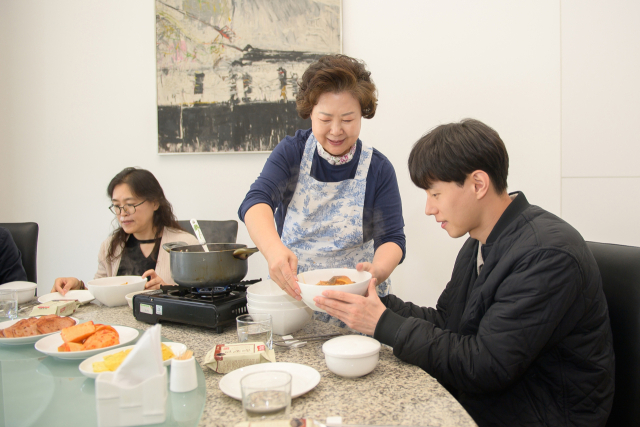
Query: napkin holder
point(120, 406)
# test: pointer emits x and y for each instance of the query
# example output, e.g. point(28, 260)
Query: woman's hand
point(283, 266)
point(155, 282)
point(371, 268)
point(65, 284)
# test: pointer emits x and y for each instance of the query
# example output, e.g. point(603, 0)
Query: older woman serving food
point(336, 200)
point(146, 222)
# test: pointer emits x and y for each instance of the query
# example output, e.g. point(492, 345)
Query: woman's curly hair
point(335, 74)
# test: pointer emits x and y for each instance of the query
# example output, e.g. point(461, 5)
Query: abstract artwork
point(228, 70)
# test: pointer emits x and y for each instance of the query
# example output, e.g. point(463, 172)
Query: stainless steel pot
point(224, 264)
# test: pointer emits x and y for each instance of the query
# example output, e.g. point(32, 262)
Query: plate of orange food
point(85, 340)
point(32, 329)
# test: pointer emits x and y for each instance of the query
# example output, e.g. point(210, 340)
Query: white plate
point(23, 340)
point(86, 367)
point(83, 296)
point(49, 345)
point(303, 378)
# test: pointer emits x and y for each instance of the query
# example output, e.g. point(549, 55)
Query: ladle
point(199, 235)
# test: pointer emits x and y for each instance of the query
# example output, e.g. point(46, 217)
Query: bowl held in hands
point(309, 289)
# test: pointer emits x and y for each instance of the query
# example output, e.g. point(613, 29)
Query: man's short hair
point(449, 153)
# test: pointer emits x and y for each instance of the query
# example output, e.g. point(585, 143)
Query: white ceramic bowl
point(268, 291)
point(111, 291)
point(129, 297)
point(308, 288)
point(351, 356)
point(285, 321)
point(26, 290)
point(284, 305)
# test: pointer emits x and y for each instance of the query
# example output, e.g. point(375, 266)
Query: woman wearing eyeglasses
point(146, 223)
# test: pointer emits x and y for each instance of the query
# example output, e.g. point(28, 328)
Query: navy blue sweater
point(382, 215)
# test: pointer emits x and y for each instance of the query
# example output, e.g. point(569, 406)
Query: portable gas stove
point(214, 307)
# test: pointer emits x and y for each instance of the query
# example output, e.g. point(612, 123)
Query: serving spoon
point(199, 235)
point(291, 344)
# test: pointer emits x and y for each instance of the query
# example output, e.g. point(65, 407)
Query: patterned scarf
point(336, 160)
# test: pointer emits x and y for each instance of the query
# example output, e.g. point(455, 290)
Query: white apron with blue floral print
point(323, 225)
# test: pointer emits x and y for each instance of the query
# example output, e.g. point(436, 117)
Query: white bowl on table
point(285, 321)
point(268, 291)
point(26, 290)
point(309, 290)
point(283, 305)
point(111, 291)
point(351, 356)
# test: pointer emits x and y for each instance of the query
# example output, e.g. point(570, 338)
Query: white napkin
point(144, 361)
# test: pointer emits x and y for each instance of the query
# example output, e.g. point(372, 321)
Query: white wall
point(557, 80)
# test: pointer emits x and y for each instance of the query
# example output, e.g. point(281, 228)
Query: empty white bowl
point(308, 288)
point(26, 290)
point(111, 291)
point(129, 297)
point(268, 291)
point(283, 305)
point(351, 356)
point(285, 321)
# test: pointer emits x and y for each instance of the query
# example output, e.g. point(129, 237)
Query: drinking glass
point(266, 395)
point(9, 303)
point(255, 327)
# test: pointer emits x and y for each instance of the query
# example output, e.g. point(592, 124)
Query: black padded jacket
point(527, 342)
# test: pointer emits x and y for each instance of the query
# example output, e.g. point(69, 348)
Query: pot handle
point(244, 253)
point(172, 245)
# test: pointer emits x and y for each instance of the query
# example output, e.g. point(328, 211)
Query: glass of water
point(9, 303)
point(255, 327)
point(266, 395)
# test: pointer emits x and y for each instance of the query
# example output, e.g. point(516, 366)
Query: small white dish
point(24, 340)
point(83, 296)
point(129, 297)
point(49, 345)
point(351, 356)
point(303, 378)
point(86, 367)
point(26, 290)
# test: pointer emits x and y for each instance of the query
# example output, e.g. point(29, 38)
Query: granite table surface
point(395, 393)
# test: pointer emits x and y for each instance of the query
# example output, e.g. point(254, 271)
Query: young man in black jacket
point(521, 333)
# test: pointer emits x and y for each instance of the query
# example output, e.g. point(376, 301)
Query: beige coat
point(109, 269)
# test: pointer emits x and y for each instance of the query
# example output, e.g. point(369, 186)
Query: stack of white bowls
point(288, 314)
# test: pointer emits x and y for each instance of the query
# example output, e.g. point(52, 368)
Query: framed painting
point(228, 70)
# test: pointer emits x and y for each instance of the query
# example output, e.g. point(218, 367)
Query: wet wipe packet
point(225, 358)
point(60, 308)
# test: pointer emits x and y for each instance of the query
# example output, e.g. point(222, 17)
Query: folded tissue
point(136, 393)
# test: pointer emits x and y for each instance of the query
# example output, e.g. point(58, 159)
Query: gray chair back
point(620, 270)
point(215, 231)
point(25, 234)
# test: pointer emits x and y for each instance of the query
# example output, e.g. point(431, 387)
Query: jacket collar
point(515, 208)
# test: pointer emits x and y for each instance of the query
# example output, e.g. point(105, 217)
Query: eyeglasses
point(128, 209)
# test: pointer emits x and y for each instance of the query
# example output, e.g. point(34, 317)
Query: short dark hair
point(449, 153)
point(335, 74)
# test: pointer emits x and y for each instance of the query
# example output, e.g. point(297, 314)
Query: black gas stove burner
point(207, 292)
point(211, 307)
